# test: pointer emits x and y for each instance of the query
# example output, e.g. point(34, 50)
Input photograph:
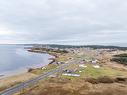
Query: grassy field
point(46, 69)
point(92, 72)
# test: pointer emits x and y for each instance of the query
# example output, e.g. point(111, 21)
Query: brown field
point(63, 86)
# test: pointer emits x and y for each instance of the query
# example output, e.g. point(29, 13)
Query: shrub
point(104, 79)
point(122, 60)
point(30, 70)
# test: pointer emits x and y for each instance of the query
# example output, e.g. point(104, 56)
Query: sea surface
point(14, 59)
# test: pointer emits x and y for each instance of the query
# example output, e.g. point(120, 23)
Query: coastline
point(55, 57)
point(51, 59)
point(21, 76)
point(25, 70)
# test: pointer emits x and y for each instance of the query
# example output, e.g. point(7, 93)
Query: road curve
point(19, 87)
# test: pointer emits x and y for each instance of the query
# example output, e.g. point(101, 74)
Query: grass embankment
point(121, 58)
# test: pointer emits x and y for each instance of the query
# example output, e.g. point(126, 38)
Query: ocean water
point(14, 58)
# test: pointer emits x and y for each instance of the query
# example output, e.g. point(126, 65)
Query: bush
point(121, 55)
point(105, 80)
point(100, 80)
point(92, 80)
point(120, 79)
point(122, 60)
point(30, 70)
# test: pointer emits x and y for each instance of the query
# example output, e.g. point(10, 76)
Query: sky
point(75, 22)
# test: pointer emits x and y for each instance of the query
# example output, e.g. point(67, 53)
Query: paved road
point(33, 81)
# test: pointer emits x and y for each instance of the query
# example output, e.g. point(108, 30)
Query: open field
point(63, 86)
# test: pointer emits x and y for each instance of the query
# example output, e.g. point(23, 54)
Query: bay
point(14, 59)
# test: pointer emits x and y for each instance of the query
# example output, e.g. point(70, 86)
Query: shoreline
point(21, 76)
point(7, 81)
point(17, 78)
point(13, 73)
point(25, 70)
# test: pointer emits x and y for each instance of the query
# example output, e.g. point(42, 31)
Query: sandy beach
point(12, 80)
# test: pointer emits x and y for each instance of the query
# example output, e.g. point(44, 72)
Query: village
point(83, 59)
point(86, 69)
point(89, 68)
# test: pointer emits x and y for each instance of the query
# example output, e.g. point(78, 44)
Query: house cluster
point(82, 65)
point(94, 62)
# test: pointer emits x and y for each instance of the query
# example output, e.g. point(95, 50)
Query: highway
point(21, 86)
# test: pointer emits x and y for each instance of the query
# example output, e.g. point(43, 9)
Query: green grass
point(70, 77)
point(92, 72)
point(41, 71)
point(62, 59)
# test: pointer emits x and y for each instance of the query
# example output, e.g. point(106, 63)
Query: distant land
point(77, 46)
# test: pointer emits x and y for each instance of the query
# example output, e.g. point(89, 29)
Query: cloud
point(63, 21)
